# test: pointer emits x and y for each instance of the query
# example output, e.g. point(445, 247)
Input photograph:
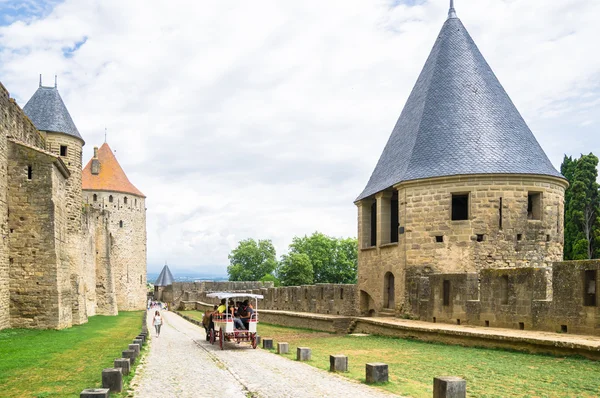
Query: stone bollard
point(139, 342)
point(338, 363)
point(129, 354)
point(268, 344)
point(303, 354)
point(95, 393)
point(136, 348)
point(112, 378)
point(123, 364)
point(449, 387)
point(283, 348)
point(377, 373)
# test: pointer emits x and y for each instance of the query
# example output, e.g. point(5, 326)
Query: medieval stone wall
point(517, 298)
point(322, 298)
point(73, 208)
point(40, 294)
point(499, 232)
point(126, 225)
point(15, 124)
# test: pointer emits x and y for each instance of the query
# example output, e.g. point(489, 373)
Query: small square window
point(63, 150)
point(439, 239)
point(460, 206)
point(519, 237)
point(479, 237)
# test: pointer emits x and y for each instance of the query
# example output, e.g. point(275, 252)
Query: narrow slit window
point(110, 198)
point(500, 215)
point(125, 200)
point(446, 292)
point(29, 172)
point(95, 198)
point(374, 224)
point(460, 206)
point(504, 289)
point(63, 150)
point(534, 206)
point(590, 288)
point(121, 224)
point(394, 218)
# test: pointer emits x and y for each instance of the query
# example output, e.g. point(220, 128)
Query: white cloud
point(265, 119)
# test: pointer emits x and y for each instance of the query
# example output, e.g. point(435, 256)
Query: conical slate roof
point(457, 120)
point(48, 112)
point(165, 278)
point(111, 176)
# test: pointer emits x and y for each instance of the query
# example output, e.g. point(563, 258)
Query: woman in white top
point(157, 322)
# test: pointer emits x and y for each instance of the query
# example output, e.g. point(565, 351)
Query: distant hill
point(188, 277)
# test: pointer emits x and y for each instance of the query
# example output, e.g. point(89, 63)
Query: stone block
point(124, 364)
point(449, 387)
point(268, 344)
point(112, 378)
point(258, 340)
point(139, 342)
point(129, 354)
point(283, 348)
point(303, 354)
point(376, 372)
point(95, 393)
point(338, 363)
point(136, 348)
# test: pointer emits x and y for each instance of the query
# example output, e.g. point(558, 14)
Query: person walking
point(157, 322)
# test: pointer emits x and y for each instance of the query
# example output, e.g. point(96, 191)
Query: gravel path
point(182, 364)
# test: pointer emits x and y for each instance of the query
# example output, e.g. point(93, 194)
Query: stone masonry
point(60, 259)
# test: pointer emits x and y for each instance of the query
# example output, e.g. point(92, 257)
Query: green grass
point(62, 363)
point(413, 364)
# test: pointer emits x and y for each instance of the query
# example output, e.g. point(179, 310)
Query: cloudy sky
point(265, 119)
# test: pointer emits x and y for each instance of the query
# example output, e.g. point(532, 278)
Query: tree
point(271, 278)
point(582, 208)
point(251, 260)
point(333, 260)
point(295, 269)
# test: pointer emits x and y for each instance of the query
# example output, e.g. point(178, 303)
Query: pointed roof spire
point(452, 11)
point(165, 278)
point(458, 120)
point(109, 177)
point(48, 112)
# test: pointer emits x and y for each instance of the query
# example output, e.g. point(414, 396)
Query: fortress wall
point(106, 297)
point(127, 245)
point(322, 298)
point(517, 298)
point(89, 221)
point(13, 123)
point(424, 209)
point(73, 207)
point(39, 289)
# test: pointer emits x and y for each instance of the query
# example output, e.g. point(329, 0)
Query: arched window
point(95, 198)
point(121, 224)
point(110, 199)
point(125, 200)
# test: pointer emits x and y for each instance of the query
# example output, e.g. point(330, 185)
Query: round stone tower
point(107, 189)
point(461, 185)
point(49, 114)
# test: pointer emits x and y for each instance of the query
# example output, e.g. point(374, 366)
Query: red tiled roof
point(111, 176)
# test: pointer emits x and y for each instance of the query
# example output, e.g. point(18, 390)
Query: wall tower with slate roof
point(461, 185)
point(62, 259)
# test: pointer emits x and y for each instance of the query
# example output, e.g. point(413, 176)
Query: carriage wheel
point(212, 336)
point(253, 340)
point(221, 338)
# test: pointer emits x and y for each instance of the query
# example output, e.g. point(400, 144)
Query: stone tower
point(107, 188)
point(49, 114)
point(461, 185)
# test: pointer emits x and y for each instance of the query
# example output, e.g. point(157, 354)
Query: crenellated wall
point(547, 298)
point(322, 298)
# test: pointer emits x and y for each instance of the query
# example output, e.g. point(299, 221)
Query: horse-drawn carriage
point(224, 325)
